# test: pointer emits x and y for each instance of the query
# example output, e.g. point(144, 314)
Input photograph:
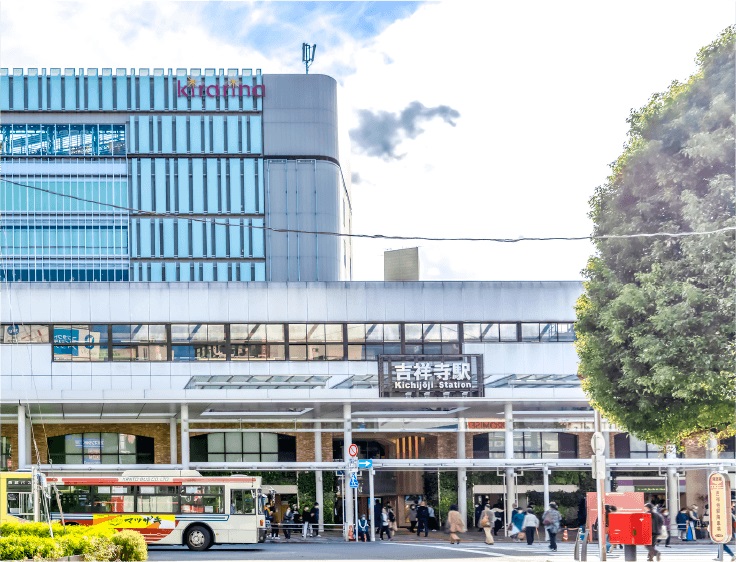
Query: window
point(316, 342)
point(158, 499)
point(206, 342)
point(431, 339)
point(202, 499)
point(81, 342)
point(6, 462)
point(22, 333)
point(62, 140)
point(629, 447)
point(728, 448)
point(237, 446)
point(113, 499)
point(100, 448)
point(139, 342)
point(527, 445)
point(243, 502)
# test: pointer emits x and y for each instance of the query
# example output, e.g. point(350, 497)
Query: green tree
point(656, 322)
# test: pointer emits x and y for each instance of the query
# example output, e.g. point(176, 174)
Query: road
point(432, 549)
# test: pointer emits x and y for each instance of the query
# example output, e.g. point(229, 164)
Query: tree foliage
point(656, 322)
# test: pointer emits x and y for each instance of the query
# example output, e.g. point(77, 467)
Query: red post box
point(630, 528)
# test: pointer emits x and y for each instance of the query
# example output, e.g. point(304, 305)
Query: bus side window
point(242, 502)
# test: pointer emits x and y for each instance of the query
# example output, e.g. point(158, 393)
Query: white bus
point(166, 506)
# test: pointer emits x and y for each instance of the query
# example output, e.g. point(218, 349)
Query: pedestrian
point(432, 518)
point(551, 521)
point(517, 523)
point(657, 523)
point(288, 522)
point(392, 520)
point(530, 525)
point(385, 524)
point(486, 522)
point(412, 518)
point(681, 520)
point(377, 510)
point(455, 524)
point(362, 529)
point(306, 523)
point(693, 523)
point(423, 519)
point(478, 511)
point(705, 521)
point(667, 522)
point(498, 523)
point(314, 520)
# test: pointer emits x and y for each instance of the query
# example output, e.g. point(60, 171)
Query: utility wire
point(139, 213)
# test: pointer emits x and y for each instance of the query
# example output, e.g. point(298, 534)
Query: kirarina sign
point(233, 87)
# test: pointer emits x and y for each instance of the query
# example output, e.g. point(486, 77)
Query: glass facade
point(125, 176)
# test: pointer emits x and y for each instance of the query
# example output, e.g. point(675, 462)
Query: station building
point(170, 298)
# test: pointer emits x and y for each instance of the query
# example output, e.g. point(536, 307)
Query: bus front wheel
point(198, 538)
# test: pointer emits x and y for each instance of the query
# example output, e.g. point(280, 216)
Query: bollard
point(581, 547)
point(629, 552)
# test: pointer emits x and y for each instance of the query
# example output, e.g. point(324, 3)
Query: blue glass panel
point(122, 89)
point(170, 272)
point(168, 239)
point(183, 187)
point(180, 101)
point(33, 98)
point(4, 90)
point(93, 91)
point(156, 272)
point(249, 178)
point(146, 188)
point(184, 271)
point(210, 103)
point(70, 90)
point(18, 90)
point(166, 134)
point(183, 238)
point(144, 91)
point(55, 87)
point(222, 269)
point(208, 273)
point(158, 89)
point(145, 235)
point(181, 134)
point(232, 134)
point(198, 186)
point(143, 140)
point(260, 196)
point(197, 239)
point(236, 186)
point(235, 238)
point(160, 182)
point(255, 134)
point(259, 250)
point(195, 134)
point(107, 89)
point(260, 272)
point(212, 186)
point(218, 124)
point(220, 239)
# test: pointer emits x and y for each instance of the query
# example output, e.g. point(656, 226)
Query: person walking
point(681, 520)
point(667, 522)
point(530, 525)
point(314, 520)
point(455, 524)
point(385, 524)
point(423, 519)
point(377, 510)
point(657, 522)
point(478, 511)
point(306, 523)
point(412, 518)
point(517, 523)
point(498, 523)
point(432, 518)
point(486, 522)
point(288, 522)
point(362, 529)
point(392, 520)
point(551, 520)
point(693, 522)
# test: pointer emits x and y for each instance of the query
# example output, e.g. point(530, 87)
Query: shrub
point(131, 545)
point(99, 549)
point(20, 547)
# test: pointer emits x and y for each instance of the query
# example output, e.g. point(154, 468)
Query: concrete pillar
point(711, 451)
point(22, 439)
point(510, 474)
point(185, 436)
point(319, 495)
point(173, 444)
point(462, 478)
point(673, 490)
point(349, 515)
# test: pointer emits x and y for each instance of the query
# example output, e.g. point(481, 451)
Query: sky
point(465, 119)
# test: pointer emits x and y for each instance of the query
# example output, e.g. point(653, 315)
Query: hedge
point(19, 541)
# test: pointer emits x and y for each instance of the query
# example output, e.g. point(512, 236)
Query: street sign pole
point(599, 465)
point(371, 504)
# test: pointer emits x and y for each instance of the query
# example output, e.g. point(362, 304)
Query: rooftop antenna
point(308, 55)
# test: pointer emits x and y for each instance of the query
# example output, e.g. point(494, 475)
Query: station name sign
point(192, 88)
point(430, 375)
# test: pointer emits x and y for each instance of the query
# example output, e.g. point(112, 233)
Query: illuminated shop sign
point(430, 375)
point(233, 87)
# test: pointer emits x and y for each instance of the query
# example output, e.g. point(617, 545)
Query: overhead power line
point(213, 220)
